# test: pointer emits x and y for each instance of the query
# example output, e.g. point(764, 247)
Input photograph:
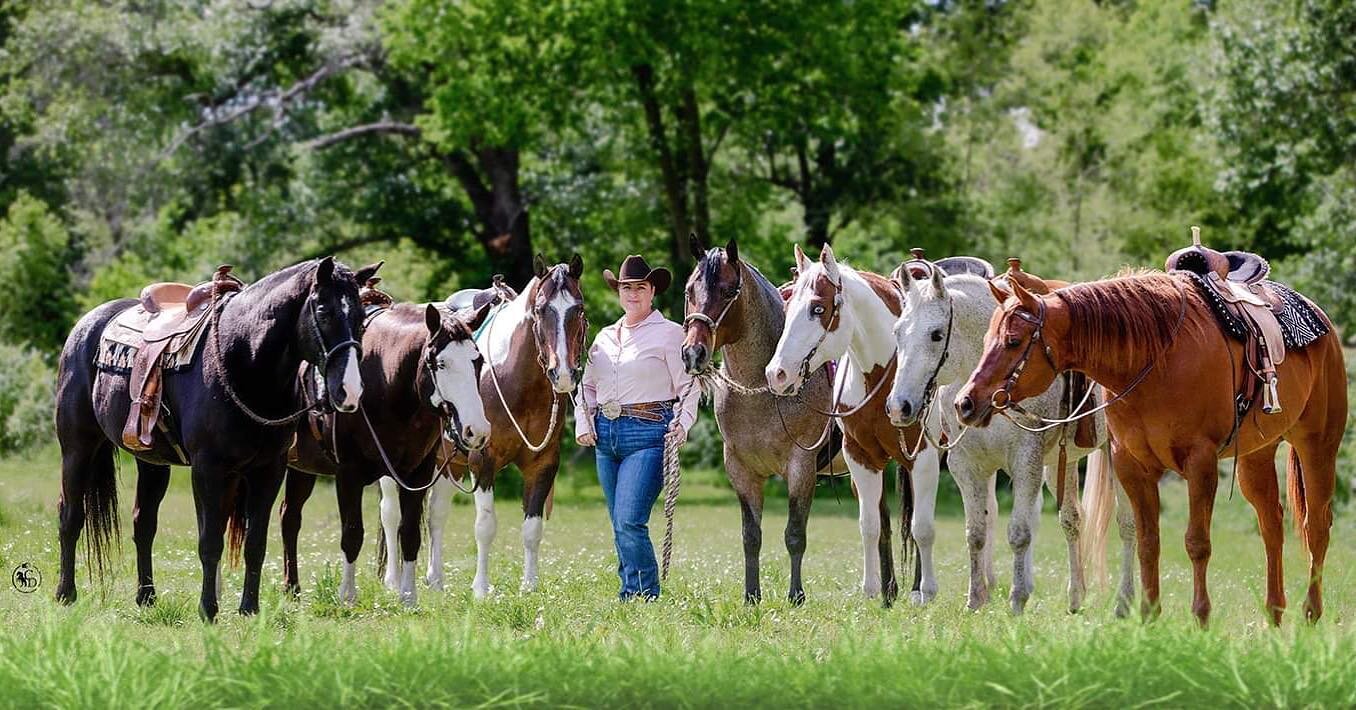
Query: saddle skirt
point(179, 330)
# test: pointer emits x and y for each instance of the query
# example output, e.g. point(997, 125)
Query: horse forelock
point(1133, 315)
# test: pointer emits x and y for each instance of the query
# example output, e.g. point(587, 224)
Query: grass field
point(572, 643)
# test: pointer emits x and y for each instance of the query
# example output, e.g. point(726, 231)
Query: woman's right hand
point(586, 439)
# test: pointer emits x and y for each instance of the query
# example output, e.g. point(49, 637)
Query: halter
point(714, 325)
point(836, 315)
point(1011, 380)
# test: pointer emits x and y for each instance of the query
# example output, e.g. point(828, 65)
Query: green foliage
point(36, 303)
point(27, 398)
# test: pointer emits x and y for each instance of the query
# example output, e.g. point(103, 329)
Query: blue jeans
point(630, 455)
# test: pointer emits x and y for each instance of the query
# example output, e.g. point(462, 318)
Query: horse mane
point(1134, 313)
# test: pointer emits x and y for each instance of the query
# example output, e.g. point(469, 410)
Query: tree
point(36, 306)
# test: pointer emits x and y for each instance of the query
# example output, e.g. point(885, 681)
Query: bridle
point(930, 392)
point(714, 325)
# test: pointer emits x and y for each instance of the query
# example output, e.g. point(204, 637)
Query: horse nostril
point(779, 376)
point(905, 409)
point(966, 406)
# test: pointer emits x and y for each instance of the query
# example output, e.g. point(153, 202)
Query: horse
point(836, 312)
point(733, 309)
point(534, 347)
point(1153, 342)
point(228, 420)
point(938, 339)
point(421, 371)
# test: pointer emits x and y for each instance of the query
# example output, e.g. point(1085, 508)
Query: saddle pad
point(123, 337)
point(1299, 320)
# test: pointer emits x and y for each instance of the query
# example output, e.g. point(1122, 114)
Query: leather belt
point(645, 411)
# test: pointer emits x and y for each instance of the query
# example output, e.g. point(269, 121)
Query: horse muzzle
point(696, 358)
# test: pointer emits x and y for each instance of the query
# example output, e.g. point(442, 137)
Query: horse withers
point(534, 349)
point(230, 411)
point(420, 368)
point(1172, 378)
point(732, 309)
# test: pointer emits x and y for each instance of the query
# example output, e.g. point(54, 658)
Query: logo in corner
point(26, 578)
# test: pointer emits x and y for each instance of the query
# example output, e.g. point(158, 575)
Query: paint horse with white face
point(420, 367)
point(534, 350)
point(840, 313)
point(939, 338)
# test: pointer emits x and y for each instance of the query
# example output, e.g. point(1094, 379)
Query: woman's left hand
point(681, 433)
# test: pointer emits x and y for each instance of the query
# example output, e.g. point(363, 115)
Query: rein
point(225, 373)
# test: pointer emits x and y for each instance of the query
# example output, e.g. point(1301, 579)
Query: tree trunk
point(490, 179)
point(675, 191)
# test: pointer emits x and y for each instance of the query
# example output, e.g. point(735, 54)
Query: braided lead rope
point(672, 479)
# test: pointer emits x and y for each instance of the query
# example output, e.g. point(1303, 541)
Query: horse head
point(710, 295)
point(453, 363)
point(331, 329)
point(1019, 359)
point(923, 339)
point(812, 334)
point(559, 325)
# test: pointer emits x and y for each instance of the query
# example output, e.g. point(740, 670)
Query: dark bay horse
point(420, 371)
point(534, 351)
point(839, 313)
point(732, 309)
point(1152, 340)
point(232, 417)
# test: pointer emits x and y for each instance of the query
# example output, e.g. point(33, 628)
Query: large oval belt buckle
point(611, 410)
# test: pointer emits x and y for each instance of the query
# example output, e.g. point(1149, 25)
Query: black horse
point(231, 414)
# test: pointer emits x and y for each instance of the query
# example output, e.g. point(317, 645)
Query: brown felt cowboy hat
point(634, 270)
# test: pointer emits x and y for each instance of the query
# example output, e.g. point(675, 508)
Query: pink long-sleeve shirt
point(631, 364)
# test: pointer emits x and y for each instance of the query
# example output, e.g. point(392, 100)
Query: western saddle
point(166, 310)
point(1232, 283)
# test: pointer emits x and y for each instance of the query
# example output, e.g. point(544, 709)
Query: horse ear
point(1029, 302)
point(695, 244)
point(539, 265)
point(576, 267)
point(732, 252)
point(801, 261)
point(324, 272)
point(366, 273)
point(998, 293)
point(830, 263)
point(477, 319)
point(938, 281)
point(433, 318)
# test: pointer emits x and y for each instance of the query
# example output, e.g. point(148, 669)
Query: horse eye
point(817, 310)
point(936, 336)
point(1014, 341)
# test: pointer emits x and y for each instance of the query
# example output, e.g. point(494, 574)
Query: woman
point(634, 391)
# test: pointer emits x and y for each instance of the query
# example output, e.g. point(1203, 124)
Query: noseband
point(714, 325)
point(1011, 380)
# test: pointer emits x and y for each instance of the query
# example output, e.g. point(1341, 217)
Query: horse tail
point(909, 548)
point(235, 503)
point(101, 513)
point(381, 551)
point(1294, 474)
point(1099, 501)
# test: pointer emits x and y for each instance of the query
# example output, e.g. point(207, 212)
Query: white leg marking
point(925, 474)
point(486, 526)
point(439, 506)
point(870, 484)
point(1125, 521)
point(408, 595)
point(390, 526)
point(532, 535)
point(348, 588)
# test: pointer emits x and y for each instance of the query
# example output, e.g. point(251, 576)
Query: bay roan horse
point(232, 414)
point(1151, 340)
point(420, 372)
point(534, 350)
point(734, 310)
point(839, 313)
point(939, 338)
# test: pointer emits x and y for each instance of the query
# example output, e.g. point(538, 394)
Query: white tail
point(1099, 501)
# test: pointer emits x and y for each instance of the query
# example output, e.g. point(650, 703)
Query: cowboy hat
point(634, 270)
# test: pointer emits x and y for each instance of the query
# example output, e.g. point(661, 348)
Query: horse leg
point(81, 464)
point(749, 490)
point(536, 488)
point(209, 493)
point(411, 514)
point(1071, 521)
point(869, 484)
point(1026, 511)
point(1202, 482)
point(389, 507)
point(262, 492)
point(801, 480)
point(924, 477)
point(1125, 523)
point(439, 507)
point(349, 492)
point(1257, 480)
point(152, 482)
point(1312, 471)
point(487, 525)
point(973, 488)
point(1141, 488)
point(297, 491)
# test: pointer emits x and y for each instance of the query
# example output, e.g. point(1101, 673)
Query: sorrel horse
point(939, 337)
point(732, 309)
point(1171, 374)
point(421, 371)
point(233, 411)
point(534, 347)
point(837, 312)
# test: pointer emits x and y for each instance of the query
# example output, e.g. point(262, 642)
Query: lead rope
point(673, 439)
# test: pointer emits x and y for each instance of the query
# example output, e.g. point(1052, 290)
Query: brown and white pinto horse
point(837, 312)
point(534, 351)
point(1152, 341)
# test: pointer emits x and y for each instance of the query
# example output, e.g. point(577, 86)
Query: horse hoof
point(208, 615)
point(919, 598)
point(146, 597)
point(434, 583)
point(480, 589)
point(293, 589)
point(249, 609)
point(66, 595)
point(796, 597)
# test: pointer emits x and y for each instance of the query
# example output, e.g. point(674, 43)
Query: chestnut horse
point(1171, 375)
point(838, 312)
point(734, 310)
point(534, 351)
